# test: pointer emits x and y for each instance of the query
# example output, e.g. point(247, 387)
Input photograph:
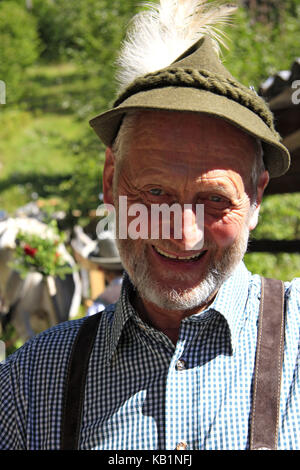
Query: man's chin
point(177, 298)
point(180, 292)
point(175, 291)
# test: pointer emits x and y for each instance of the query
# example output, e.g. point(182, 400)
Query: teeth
point(167, 255)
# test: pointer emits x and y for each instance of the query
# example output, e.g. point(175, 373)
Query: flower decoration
point(41, 253)
point(29, 250)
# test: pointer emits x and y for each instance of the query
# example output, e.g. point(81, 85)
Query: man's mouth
point(194, 257)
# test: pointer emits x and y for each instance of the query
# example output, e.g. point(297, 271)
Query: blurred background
point(57, 66)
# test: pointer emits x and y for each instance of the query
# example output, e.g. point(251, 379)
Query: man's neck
point(166, 321)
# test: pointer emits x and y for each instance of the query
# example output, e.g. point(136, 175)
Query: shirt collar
point(123, 312)
point(230, 302)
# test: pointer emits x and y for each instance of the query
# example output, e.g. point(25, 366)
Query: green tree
point(19, 47)
point(258, 50)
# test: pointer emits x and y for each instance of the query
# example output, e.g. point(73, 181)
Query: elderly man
point(190, 356)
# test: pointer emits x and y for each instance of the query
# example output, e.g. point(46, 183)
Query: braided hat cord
point(204, 80)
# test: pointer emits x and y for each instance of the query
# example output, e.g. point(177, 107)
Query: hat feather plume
point(159, 35)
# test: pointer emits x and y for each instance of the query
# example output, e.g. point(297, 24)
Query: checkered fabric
point(142, 392)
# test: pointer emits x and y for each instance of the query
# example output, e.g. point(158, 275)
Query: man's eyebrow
point(144, 172)
point(209, 185)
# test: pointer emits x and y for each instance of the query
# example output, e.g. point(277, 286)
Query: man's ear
point(262, 183)
point(108, 176)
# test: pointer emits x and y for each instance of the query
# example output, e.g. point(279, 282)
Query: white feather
point(158, 36)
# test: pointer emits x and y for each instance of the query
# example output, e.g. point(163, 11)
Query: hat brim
point(188, 99)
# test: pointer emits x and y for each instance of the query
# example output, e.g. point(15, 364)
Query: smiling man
point(206, 161)
point(198, 353)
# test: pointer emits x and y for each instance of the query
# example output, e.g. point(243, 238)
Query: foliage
point(284, 266)
point(257, 50)
point(279, 217)
point(83, 190)
point(40, 253)
point(20, 47)
point(88, 32)
point(11, 339)
point(92, 28)
point(279, 220)
point(46, 145)
point(57, 26)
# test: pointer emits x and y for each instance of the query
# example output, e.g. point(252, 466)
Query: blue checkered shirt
point(142, 392)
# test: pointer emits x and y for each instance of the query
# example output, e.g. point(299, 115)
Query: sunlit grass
point(36, 140)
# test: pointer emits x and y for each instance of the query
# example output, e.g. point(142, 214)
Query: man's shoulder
point(292, 297)
point(291, 294)
point(293, 287)
point(53, 344)
point(56, 341)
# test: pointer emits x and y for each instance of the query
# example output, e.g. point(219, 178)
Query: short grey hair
point(257, 169)
point(120, 144)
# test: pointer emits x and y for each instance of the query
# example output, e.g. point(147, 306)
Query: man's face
point(186, 159)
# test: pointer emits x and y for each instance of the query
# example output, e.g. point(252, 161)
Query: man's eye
point(215, 198)
point(156, 191)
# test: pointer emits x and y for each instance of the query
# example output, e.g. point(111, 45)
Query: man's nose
point(193, 228)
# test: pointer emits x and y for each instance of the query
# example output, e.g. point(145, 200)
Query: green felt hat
point(198, 82)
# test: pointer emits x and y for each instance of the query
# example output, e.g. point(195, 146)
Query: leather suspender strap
point(267, 376)
point(76, 381)
point(268, 367)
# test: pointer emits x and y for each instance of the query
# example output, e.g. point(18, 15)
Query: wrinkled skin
point(185, 159)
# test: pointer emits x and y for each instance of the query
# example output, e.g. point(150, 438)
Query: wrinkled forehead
point(188, 139)
point(194, 127)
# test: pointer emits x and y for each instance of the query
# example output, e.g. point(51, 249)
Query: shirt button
point(181, 446)
point(180, 365)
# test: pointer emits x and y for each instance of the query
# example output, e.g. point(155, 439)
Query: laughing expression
point(185, 159)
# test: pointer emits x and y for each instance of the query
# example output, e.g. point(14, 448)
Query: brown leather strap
point(267, 379)
point(75, 382)
point(268, 367)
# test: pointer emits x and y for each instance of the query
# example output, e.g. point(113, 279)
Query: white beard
point(151, 290)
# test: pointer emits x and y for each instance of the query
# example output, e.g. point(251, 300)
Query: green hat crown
point(198, 82)
point(200, 68)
